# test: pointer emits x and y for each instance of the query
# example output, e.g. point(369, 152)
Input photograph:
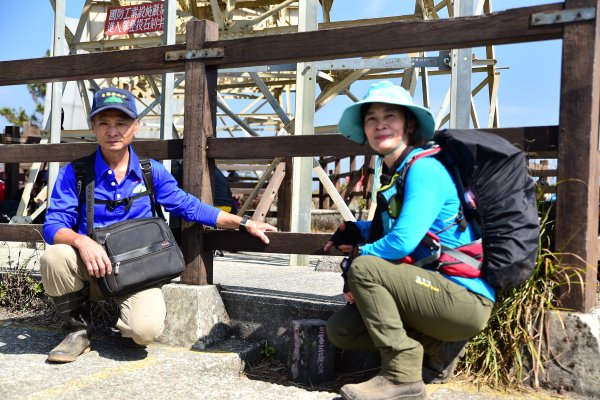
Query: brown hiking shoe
point(381, 388)
point(75, 344)
point(440, 360)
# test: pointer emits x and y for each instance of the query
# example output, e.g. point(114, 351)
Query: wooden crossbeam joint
point(564, 16)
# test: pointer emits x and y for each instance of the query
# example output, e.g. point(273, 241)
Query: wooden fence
point(574, 142)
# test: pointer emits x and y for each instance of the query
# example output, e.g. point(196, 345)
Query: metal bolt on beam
point(562, 17)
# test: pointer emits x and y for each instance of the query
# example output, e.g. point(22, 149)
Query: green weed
point(19, 288)
point(509, 350)
point(267, 350)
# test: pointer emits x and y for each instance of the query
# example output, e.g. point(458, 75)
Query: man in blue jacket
point(73, 260)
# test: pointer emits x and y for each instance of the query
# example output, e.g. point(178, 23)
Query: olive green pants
point(141, 314)
point(390, 298)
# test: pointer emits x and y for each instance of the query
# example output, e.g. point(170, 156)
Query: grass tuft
point(508, 351)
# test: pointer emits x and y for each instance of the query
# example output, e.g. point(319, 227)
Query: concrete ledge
point(196, 316)
point(260, 316)
point(572, 356)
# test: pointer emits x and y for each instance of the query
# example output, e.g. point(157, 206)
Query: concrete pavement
point(114, 371)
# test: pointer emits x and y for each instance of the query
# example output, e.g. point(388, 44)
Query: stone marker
point(311, 358)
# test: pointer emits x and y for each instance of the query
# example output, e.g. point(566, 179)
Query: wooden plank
point(510, 26)
point(149, 60)
point(542, 173)
point(265, 202)
point(199, 124)
point(21, 233)
point(214, 239)
point(62, 152)
point(536, 140)
point(280, 242)
point(577, 232)
point(539, 141)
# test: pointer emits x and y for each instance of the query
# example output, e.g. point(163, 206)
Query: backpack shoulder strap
point(85, 175)
point(146, 167)
point(409, 162)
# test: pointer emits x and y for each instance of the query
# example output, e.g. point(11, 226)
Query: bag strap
point(84, 174)
point(146, 166)
point(437, 248)
point(89, 206)
point(460, 256)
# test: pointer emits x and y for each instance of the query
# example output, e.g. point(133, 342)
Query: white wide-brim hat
point(351, 123)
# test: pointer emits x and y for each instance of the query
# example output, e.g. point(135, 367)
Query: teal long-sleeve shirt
point(430, 203)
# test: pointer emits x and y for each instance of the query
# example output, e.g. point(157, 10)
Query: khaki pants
point(142, 314)
point(392, 297)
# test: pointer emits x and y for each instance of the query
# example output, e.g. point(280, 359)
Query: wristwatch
point(244, 222)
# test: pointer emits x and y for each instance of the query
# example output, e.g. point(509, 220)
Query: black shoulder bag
point(142, 251)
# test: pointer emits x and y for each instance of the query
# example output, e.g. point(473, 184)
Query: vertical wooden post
point(577, 231)
point(322, 194)
point(12, 135)
point(199, 124)
point(284, 199)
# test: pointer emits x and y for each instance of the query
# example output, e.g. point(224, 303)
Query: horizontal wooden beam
point(21, 233)
point(229, 240)
point(63, 152)
point(537, 141)
point(280, 242)
point(510, 26)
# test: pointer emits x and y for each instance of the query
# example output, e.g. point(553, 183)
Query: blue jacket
point(64, 211)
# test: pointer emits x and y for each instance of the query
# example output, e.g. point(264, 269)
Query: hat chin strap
point(391, 151)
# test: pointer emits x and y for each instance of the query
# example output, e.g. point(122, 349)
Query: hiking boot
point(381, 388)
point(74, 309)
point(75, 344)
point(440, 358)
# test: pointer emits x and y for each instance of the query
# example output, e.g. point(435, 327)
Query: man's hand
point(258, 229)
point(94, 256)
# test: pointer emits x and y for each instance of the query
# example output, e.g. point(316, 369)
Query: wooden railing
point(574, 142)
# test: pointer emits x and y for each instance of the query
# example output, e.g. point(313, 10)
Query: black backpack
point(506, 214)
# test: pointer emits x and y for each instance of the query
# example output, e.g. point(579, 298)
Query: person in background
point(72, 260)
point(389, 300)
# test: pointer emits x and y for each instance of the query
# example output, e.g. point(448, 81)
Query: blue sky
point(529, 88)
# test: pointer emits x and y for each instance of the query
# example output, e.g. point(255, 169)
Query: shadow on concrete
point(337, 299)
point(27, 340)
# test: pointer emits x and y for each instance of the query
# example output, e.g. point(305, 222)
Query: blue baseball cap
point(351, 123)
point(114, 98)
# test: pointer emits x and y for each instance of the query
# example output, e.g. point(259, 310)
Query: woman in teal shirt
point(386, 296)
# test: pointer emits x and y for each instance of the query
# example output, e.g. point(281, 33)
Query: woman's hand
point(348, 297)
point(344, 239)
